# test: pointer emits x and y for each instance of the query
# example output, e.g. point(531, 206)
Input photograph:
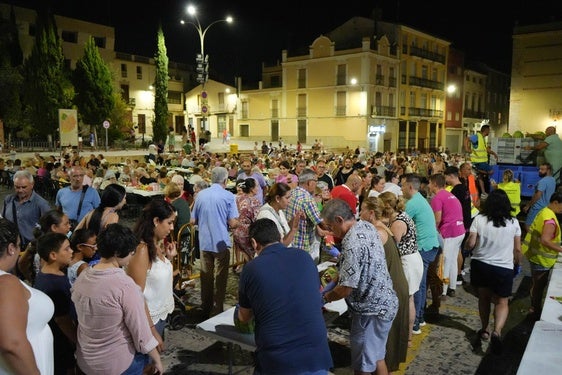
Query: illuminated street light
point(202, 60)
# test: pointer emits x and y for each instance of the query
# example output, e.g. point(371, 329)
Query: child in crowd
point(54, 249)
point(83, 244)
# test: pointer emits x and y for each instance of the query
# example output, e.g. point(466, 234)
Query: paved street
point(447, 345)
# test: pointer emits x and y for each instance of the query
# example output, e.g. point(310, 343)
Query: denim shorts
point(368, 337)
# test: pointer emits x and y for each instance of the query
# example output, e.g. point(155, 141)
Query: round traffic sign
point(106, 124)
point(204, 109)
point(204, 94)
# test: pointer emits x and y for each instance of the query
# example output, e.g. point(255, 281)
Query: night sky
point(263, 29)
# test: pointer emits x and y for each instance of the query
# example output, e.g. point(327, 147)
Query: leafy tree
point(11, 80)
point(160, 127)
point(46, 88)
point(120, 118)
point(94, 87)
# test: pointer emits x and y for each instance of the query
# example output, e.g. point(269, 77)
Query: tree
point(93, 85)
point(46, 88)
point(160, 124)
point(11, 80)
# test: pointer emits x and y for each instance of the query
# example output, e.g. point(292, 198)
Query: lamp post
point(202, 60)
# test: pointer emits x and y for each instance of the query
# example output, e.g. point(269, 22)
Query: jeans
point(137, 366)
point(213, 284)
point(421, 295)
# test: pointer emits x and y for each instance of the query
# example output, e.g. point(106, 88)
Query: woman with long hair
point(403, 230)
point(113, 199)
point(150, 266)
point(26, 346)
point(495, 240)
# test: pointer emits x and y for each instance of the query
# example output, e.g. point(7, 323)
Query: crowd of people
point(400, 223)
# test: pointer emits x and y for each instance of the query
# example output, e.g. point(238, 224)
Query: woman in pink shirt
point(114, 336)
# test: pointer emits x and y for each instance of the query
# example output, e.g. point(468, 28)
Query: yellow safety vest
point(513, 191)
point(480, 154)
point(532, 247)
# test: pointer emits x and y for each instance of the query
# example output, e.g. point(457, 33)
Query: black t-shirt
point(463, 195)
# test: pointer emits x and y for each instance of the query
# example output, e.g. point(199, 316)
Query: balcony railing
point(424, 53)
point(424, 112)
point(379, 79)
point(381, 110)
point(423, 82)
point(341, 110)
point(301, 112)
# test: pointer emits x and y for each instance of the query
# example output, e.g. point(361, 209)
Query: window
point(301, 106)
point(174, 97)
point(221, 123)
point(274, 108)
point(125, 93)
point(221, 99)
point(70, 36)
point(142, 123)
point(302, 78)
point(341, 75)
point(341, 98)
point(244, 114)
point(139, 72)
point(244, 130)
point(123, 70)
point(275, 81)
point(100, 41)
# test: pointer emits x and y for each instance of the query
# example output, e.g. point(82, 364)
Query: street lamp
point(202, 60)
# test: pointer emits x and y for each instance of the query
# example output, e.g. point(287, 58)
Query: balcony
point(381, 110)
point(341, 110)
point(301, 112)
point(379, 79)
point(425, 54)
point(423, 82)
point(424, 112)
point(471, 113)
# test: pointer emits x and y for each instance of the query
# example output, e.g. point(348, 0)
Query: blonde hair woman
point(399, 334)
point(403, 229)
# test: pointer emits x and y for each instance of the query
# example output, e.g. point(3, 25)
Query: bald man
point(552, 146)
point(349, 191)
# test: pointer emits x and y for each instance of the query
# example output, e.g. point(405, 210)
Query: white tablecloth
point(552, 309)
point(144, 193)
point(542, 355)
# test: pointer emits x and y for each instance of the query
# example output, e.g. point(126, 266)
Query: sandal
point(484, 335)
point(496, 343)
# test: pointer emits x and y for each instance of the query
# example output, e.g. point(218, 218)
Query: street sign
point(204, 94)
point(106, 124)
point(204, 109)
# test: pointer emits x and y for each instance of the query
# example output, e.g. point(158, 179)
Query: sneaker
point(451, 293)
point(416, 330)
point(422, 323)
point(483, 196)
point(459, 280)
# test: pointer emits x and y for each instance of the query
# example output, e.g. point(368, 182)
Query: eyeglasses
point(95, 247)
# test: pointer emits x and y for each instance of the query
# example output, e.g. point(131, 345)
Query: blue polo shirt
point(212, 209)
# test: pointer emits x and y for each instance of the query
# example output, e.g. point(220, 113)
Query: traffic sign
point(204, 109)
point(204, 94)
point(106, 124)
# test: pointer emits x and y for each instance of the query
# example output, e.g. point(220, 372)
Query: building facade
point(536, 78)
point(133, 74)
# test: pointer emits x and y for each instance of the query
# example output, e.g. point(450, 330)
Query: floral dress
point(248, 207)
